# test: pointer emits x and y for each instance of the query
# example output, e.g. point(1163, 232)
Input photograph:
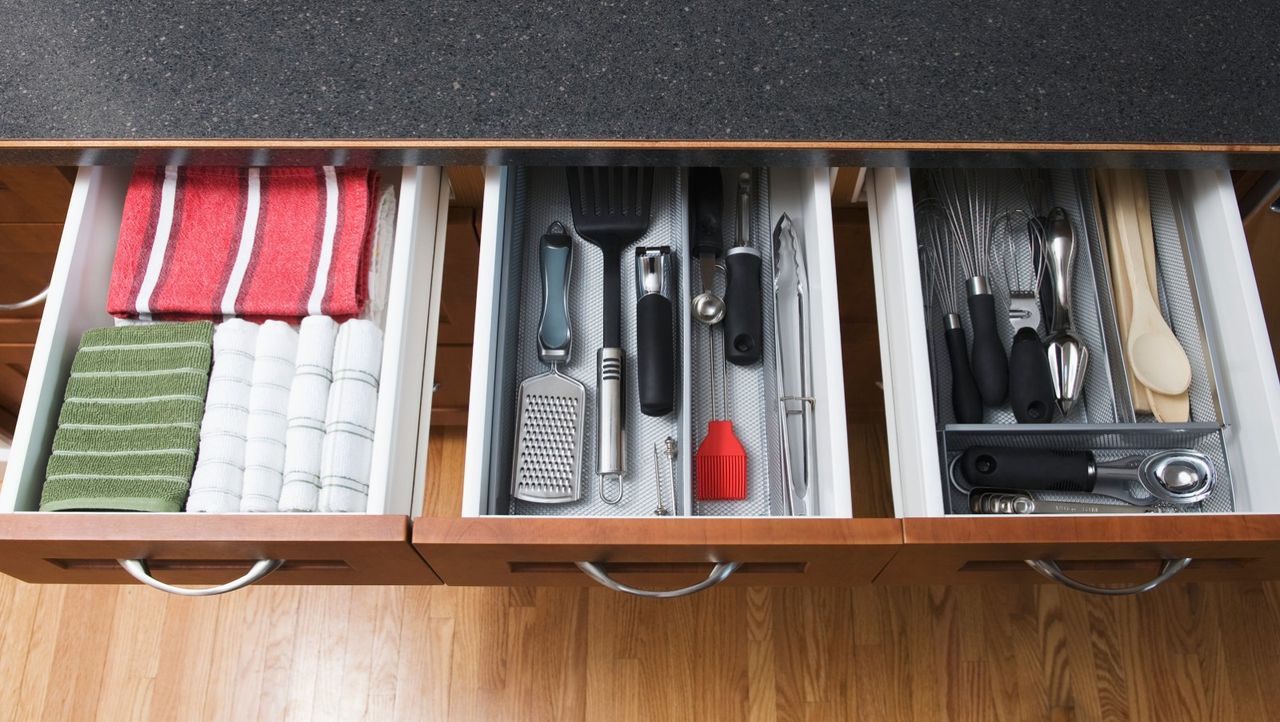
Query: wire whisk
point(967, 198)
point(940, 259)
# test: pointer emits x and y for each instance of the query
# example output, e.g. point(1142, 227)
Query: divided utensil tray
point(1104, 419)
point(521, 203)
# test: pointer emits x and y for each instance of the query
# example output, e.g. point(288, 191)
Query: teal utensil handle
point(555, 337)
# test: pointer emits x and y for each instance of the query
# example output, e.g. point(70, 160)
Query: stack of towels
point(129, 425)
point(288, 420)
point(277, 243)
point(290, 417)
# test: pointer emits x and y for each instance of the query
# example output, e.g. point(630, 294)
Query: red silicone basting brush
point(721, 460)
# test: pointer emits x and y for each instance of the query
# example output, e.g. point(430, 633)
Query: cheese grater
point(548, 450)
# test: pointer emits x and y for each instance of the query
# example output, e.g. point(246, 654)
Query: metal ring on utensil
point(605, 497)
point(719, 573)
point(1050, 569)
point(137, 569)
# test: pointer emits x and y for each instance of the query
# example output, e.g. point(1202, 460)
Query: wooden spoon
point(1154, 352)
point(1167, 408)
point(1105, 181)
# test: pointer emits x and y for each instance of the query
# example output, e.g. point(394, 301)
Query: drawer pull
point(137, 569)
point(1051, 570)
point(719, 573)
point(27, 303)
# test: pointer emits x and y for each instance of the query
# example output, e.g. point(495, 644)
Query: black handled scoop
point(611, 207)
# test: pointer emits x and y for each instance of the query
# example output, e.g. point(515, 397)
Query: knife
point(793, 364)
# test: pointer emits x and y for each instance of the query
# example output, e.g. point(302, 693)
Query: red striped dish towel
point(265, 243)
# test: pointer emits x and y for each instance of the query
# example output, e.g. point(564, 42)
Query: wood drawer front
point(317, 549)
point(656, 553)
point(1105, 550)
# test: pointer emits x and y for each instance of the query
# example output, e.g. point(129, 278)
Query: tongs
point(793, 365)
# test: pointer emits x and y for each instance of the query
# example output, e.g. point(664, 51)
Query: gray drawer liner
point(1104, 420)
point(539, 196)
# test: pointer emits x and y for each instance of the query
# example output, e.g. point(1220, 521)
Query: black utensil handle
point(1028, 469)
point(612, 285)
point(990, 365)
point(743, 328)
point(706, 207)
point(965, 400)
point(1030, 383)
point(655, 355)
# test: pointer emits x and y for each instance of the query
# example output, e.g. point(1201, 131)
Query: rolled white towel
point(349, 419)
point(268, 416)
point(308, 401)
point(219, 472)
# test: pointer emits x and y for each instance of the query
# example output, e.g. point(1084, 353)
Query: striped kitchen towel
point(308, 399)
point(130, 419)
point(219, 474)
point(346, 455)
point(274, 359)
point(266, 243)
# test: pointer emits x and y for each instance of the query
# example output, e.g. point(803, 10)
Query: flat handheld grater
point(548, 459)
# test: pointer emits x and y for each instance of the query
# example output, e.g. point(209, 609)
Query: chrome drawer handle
point(719, 573)
point(27, 303)
point(1051, 570)
point(137, 569)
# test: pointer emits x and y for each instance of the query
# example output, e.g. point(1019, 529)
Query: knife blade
point(793, 364)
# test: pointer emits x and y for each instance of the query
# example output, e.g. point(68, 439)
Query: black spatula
point(611, 211)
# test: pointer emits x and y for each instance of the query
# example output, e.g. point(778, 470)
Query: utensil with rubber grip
point(743, 320)
point(990, 365)
point(1028, 469)
point(655, 353)
point(555, 253)
point(966, 402)
point(1031, 393)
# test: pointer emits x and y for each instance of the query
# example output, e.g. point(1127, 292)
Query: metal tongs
point(794, 366)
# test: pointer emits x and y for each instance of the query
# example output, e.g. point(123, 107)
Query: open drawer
point(1235, 538)
point(372, 548)
point(500, 539)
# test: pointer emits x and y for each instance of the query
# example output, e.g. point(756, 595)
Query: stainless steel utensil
point(657, 480)
point(743, 342)
point(1068, 356)
point(1174, 476)
point(967, 199)
point(706, 206)
point(615, 214)
point(1031, 392)
point(995, 502)
point(547, 464)
point(796, 403)
point(940, 260)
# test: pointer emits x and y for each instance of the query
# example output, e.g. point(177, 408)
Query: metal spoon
point(708, 308)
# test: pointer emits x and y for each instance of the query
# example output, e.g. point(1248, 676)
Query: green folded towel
point(130, 420)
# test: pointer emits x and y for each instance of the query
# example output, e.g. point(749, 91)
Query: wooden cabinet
point(452, 311)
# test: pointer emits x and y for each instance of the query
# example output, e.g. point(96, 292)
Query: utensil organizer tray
point(1104, 419)
point(521, 202)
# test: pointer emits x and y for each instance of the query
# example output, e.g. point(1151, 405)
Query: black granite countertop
point(869, 70)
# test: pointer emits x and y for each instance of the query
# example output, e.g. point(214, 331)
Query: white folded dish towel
point(384, 235)
point(347, 454)
point(273, 362)
point(308, 401)
point(219, 472)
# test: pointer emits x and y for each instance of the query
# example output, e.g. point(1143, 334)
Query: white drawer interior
point(1236, 336)
point(77, 302)
point(508, 225)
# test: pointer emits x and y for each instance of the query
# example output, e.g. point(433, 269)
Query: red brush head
point(721, 464)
